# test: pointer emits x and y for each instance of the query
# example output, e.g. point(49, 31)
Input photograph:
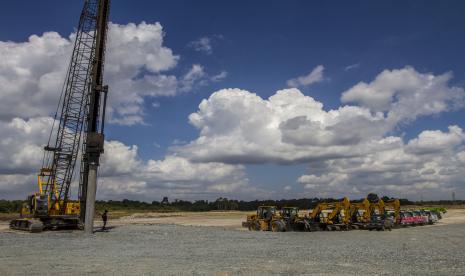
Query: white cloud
point(219, 77)
point(203, 44)
point(288, 127)
point(350, 150)
point(344, 146)
point(430, 164)
point(124, 173)
point(432, 141)
point(32, 72)
point(196, 77)
point(21, 144)
point(405, 94)
point(315, 76)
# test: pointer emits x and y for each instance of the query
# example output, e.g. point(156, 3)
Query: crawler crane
point(78, 127)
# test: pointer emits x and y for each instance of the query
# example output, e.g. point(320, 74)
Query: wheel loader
point(267, 218)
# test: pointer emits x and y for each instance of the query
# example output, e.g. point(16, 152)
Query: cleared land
point(175, 244)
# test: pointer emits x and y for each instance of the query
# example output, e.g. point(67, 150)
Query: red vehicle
point(406, 218)
point(418, 218)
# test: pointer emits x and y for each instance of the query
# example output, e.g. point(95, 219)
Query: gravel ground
point(191, 250)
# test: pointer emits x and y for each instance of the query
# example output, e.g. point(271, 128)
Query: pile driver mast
point(80, 124)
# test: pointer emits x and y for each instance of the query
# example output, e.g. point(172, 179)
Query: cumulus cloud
point(405, 94)
point(431, 164)
point(350, 150)
point(21, 145)
point(124, 173)
point(288, 127)
point(237, 126)
point(137, 65)
point(315, 76)
point(344, 146)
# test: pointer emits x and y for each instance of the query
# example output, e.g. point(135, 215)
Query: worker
point(105, 218)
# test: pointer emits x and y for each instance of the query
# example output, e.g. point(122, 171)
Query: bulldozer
point(332, 215)
point(267, 218)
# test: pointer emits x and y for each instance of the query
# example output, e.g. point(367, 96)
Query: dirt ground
point(160, 246)
point(209, 243)
point(225, 219)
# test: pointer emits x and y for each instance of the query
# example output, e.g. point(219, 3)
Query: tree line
point(13, 206)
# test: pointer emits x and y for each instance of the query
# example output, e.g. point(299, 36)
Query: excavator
point(392, 208)
point(332, 215)
point(384, 215)
point(78, 127)
point(359, 214)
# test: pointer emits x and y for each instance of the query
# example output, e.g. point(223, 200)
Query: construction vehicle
point(359, 214)
point(384, 215)
point(392, 209)
point(267, 218)
point(79, 128)
point(295, 222)
point(380, 222)
point(332, 215)
point(291, 218)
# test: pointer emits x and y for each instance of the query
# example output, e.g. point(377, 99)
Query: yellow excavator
point(392, 208)
point(360, 214)
point(332, 215)
point(384, 215)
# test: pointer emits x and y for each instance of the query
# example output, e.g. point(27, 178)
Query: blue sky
point(263, 44)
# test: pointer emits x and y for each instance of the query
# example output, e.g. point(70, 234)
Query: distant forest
point(12, 206)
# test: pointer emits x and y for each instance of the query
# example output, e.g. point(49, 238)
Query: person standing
point(105, 218)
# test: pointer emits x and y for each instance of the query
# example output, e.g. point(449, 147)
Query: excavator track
point(30, 225)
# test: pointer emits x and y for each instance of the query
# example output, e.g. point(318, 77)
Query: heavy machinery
point(359, 214)
point(332, 215)
point(392, 209)
point(295, 222)
point(384, 215)
point(267, 218)
point(78, 127)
